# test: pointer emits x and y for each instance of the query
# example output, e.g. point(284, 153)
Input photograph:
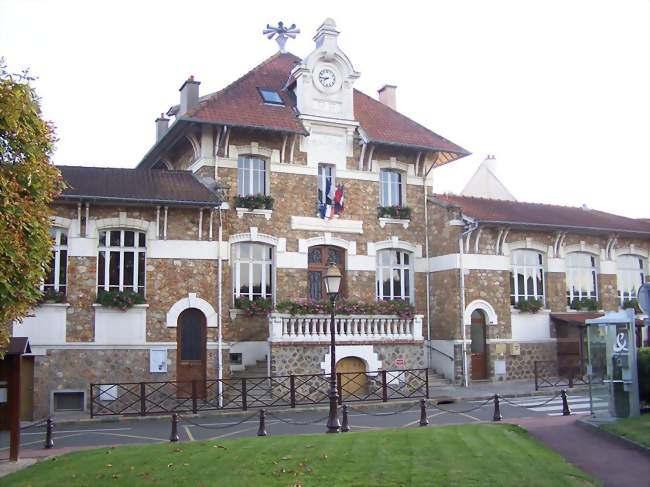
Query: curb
point(586, 425)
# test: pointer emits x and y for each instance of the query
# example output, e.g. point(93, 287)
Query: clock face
point(327, 77)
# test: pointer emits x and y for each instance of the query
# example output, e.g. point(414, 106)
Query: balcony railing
point(349, 328)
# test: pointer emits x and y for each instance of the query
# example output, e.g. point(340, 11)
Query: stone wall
point(77, 369)
point(556, 291)
point(307, 359)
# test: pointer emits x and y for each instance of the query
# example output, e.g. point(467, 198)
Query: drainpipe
point(426, 255)
point(219, 311)
point(471, 228)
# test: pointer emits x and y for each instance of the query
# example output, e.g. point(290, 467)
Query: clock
point(327, 77)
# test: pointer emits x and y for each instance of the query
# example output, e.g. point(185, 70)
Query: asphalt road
point(114, 431)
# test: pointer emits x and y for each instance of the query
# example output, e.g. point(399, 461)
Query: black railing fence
point(165, 397)
point(549, 374)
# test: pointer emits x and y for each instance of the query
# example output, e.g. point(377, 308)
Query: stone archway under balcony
point(365, 353)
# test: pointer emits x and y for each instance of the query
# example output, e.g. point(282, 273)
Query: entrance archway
point(353, 376)
point(478, 347)
point(191, 352)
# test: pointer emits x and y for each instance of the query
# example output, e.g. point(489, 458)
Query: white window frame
point(574, 270)
point(245, 171)
point(237, 260)
point(394, 266)
point(322, 181)
point(391, 199)
point(626, 274)
point(528, 270)
point(136, 249)
point(57, 247)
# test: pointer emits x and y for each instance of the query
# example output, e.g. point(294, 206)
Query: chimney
point(162, 124)
point(189, 95)
point(388, 96)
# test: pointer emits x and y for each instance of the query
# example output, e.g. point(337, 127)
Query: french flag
point(339, 199)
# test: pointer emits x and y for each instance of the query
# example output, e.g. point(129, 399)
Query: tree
point(28, 184)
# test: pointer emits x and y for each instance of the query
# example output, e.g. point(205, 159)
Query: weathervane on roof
point(283, 33)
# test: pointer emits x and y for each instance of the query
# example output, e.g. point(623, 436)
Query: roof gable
point(240, 104)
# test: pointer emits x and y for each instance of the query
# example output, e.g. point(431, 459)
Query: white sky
point(558, 90)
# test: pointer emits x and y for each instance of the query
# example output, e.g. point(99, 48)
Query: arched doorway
point(191, 352)
point(478, 347)
point(353, 377)
point(319, 257)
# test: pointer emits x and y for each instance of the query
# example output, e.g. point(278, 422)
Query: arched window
point(527, 276)
point(630, 274)
point(581, 276)
point(56, 278)
point(253, 271)
point(394, 275)
point(121, 261)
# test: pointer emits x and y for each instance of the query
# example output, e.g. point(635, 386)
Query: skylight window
point(270, 96)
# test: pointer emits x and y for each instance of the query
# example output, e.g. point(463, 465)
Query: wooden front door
point(478, 347)
point(319, 258)
point(353, 377)
point(191, 351)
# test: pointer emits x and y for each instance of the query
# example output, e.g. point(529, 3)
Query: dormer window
point(271, 97)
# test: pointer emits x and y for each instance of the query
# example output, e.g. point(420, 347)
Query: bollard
point(566, 411)
point(424, 421)
point(173, 437)
point(261, 431)
point(49, 442)
point(345, 426)
point(497, 409)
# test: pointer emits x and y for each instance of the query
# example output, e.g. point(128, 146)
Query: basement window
point(236, 358)
point(68, 400)
point(270, 96)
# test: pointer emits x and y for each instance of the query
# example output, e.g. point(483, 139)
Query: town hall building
point(206, 260)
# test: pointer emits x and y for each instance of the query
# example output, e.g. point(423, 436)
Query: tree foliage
point(28, 184)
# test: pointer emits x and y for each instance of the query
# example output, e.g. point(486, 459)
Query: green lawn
point(453, 455)
point(635, 429)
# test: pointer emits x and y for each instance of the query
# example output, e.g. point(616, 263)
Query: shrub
point(530, 305)
point(643, 367)
point(399, 212)
point(631, 303)
point(52, 296)
point(589, 304)
point(121, 300)
point(254, 307)
point(254, 202)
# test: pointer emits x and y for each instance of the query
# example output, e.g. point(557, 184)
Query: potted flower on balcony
point(530, 305)
point(254, 307)
point(254, 202)
point(589, 304)
point(50, 296)
point(631, 303)
point(122, 300)
point(397, 212)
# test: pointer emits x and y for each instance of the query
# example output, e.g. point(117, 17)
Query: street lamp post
point(332, 281)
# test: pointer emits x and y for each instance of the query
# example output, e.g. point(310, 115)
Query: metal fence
point(549, 375)
point(165, 397)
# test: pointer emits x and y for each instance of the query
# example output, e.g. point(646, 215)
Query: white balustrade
point(316, 328)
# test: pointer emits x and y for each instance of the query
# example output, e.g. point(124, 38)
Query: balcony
point(349, 328)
